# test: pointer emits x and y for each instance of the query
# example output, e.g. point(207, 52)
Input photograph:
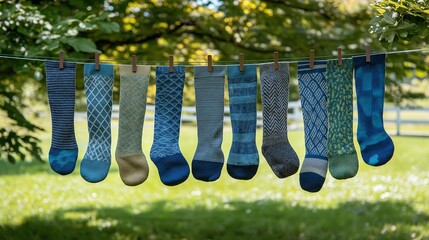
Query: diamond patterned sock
point(375, 144)
point(98, 90)
point(275, 93)
point(243, 159)
point(342, 157)
point(61, 93)
point(165, 152)
point(209, 99)
point(133, 167)
point(312, 90)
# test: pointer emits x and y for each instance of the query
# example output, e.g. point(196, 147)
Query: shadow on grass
point(266, 219)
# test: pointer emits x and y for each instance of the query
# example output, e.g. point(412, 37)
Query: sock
point(98, 90)
point(375, 144)
point(342, 157)
point(312, 90)
point(133, 167)
point(243, 159)
point(275, 146)
point(61, 93)
point(209, 100)
point(165, 152)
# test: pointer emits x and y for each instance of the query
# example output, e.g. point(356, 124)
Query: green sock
point(342, 157)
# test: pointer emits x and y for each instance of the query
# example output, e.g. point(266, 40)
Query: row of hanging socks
point(312, 168)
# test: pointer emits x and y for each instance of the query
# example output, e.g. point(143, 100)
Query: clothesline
point(194, 63)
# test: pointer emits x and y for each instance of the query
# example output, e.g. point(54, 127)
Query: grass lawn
point(388, 202)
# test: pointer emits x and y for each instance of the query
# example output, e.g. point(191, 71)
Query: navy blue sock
point(312, 90)
point(243, 159)
point(165, 152)
point(376, 146)
point(98, 90)
point(61, 94)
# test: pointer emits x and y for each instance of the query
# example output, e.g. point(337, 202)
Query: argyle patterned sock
point(342, 157)
point(312, 90)
point(243, 159)
point(165, 152)
point(275, 93)
point(375, 144)
point(133, 167)
point(209, 100)
point(98, 90)
point(61, 93)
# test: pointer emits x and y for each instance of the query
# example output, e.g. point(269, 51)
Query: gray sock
point(275, 93)
point(209, 92)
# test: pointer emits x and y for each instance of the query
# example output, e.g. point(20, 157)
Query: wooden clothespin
point(171, 63)
point(61, 60)
point(241, 62)
point(340, 57)
point(276, 60)
point(97, 61)
point(368, 53)
point(134, 63)
point(209, 63)
point(311, 59)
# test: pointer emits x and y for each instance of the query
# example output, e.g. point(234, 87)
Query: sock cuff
point(166, 69)
point(105, 69)
point(234, 72)
point(375, 59)
point(128, 70)
point(269, 67)
point(56, 65)
point(304, 66)
point(202, 72)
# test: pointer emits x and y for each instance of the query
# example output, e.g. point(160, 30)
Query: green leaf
point(81, 44)
point(406, 25)
point(109, 27)
point(388, 34)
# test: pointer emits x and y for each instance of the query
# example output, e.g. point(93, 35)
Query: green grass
point(388, 202)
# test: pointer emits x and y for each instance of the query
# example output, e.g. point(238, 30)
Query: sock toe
point(206, 171)
point(378, 154)
point(244, 172)
point(133, 169)
point(282, 159)
point(173, 170)
point(343, 166)
point(63, 161)
point(311, 182)
point(94, 171)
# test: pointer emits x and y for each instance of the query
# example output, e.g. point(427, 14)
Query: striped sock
point(209, 100)
point(133, 167)
point(312, 90)
point(98, 90)
point(61, 93)
point(243, 159)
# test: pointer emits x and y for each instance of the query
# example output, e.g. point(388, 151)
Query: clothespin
point(368, 53)
point(61, 60)
point(171, 63)
point(241, 62)
point(97, 61)
point(276, 60)
point(340, 57)
point(311, 59)
point(209, 63)
point(134, 63)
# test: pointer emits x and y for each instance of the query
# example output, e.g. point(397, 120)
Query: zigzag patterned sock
point(243, 159)
point(312, 90)
point(342, 157)
point(98, 90)
point(209, 99)
point(61, 94)
point(375, 144)
point(275, 93)
point(132, 163)
point(165, 152)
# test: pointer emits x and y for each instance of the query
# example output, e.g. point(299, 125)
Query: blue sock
point(98, 90)
point(165, 152)
point(376, 146)
point(61, 94)
point(209, 100)
point(312, 90)
point(243, 159)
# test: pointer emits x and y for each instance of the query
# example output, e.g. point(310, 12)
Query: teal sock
point(243, 159)
point(98, 89)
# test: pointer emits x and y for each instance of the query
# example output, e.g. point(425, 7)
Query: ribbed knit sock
point(243, 159)
point(133, 167)
point(342, 157)
point(98, 90)
point(165, 152)
point(275, 94)
point(209, 100)
point(61, 94)
point(375, 144)
point(312, 90)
